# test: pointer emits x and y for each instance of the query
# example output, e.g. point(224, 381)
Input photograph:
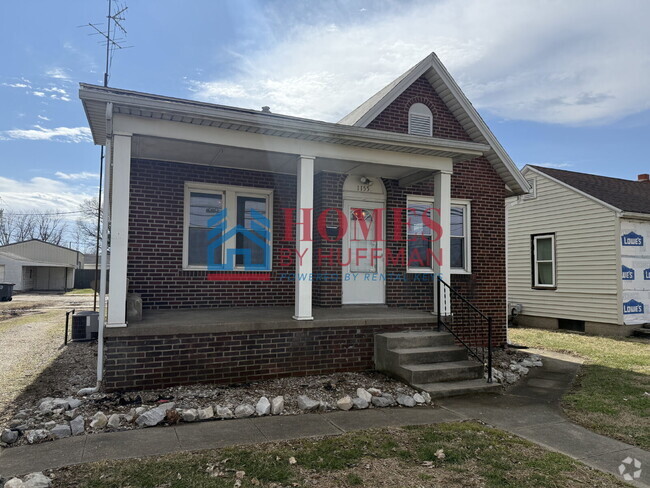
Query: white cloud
point(84, 175)
point(16, 85)
point(554, 165)
point(573, 63)
point(58, 134)
point(42, 117)
point(43, 194)
point(56, 89)
point(58, 74)
point(38, 93)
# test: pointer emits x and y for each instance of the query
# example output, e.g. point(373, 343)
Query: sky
point(564, 84)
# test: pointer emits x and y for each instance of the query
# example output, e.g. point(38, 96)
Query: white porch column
point(442, 247)
point(121, 161)
point(304, 233)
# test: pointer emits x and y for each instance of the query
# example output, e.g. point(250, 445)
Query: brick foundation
point(234, 357)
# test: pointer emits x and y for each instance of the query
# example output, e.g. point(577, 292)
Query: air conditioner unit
point(85, 326)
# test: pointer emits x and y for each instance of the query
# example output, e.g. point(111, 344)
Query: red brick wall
point(233, 357)
point(395, 117)
point(156, 239)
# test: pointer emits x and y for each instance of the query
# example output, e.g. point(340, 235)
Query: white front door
point(363, 260)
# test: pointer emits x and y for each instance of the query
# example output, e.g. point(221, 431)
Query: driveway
point(31, 338)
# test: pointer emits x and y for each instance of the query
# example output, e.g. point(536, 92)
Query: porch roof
point(201, 321)
point(101, 103)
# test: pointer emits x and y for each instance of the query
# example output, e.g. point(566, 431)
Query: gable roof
point(456, 102)
point(625, 195)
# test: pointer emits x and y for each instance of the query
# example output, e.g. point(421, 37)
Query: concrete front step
point(409, 339)
point(438, 372)
point(428, 355)
point(456, 388)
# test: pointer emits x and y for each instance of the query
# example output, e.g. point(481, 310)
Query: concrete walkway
point(529, 410)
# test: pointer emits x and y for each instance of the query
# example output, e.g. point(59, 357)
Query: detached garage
point(38, 265)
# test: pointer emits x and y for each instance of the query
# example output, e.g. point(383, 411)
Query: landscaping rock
point(344, 403)
point(73, 403)
point(49, 425)
point(526, 363)
point(36, 435)
point(389, 397)
point(426, 396)
point(360, 403)
point(224, 413)
point(99, 421)
point(418, 398)
point(46, 404)
point(9, 436)
point(140, 410)
point(277, 405)
point(114, 421)
point(14, 483)
point(61, 431)
point(364, 394)
point(374, 391)
point(380, 401)
point(405, 400)
point(538, 364)
point(77, 425)
point(37, 480)
point(307, 404)
point(263, 407)
point(206, 413)
point(510, 377)
point(70, 414)
point(151, 417)
point(244, 411)
point(130, 417)
point(191, 414)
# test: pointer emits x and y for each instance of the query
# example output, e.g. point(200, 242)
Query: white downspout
point(106, 217)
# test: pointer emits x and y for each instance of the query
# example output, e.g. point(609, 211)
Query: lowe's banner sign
point(635, 271)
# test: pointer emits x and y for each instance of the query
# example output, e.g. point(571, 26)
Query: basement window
point(227, 228)
point(420, 120)
point(570, 324)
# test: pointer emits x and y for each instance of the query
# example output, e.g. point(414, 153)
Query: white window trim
point(468, 233)
point(536, 283)
point(467, 223)
point(229, 198)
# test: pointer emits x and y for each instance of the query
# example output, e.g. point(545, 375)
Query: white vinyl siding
point(586, 270)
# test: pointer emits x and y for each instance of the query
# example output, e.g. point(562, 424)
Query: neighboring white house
point(578, 252)
point(38, 265)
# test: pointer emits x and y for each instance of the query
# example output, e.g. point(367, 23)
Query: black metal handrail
point(461, 317)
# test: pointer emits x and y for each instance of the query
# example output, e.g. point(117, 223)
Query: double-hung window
point(543, 250)
point(227, 228)
point(420, 236)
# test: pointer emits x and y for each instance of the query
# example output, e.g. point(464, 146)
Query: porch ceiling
point(165, 149)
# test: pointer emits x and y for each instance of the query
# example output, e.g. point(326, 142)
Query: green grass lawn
point(452, 455)
point(609, 395)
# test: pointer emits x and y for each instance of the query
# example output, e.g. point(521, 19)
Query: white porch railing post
point(121, 155)
point(304, 244)
point(442, 247)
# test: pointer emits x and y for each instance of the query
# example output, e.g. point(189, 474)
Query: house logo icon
point(633, 306)
point(646, 274)
point(632, 239)
point(257, 234)
point(628, 273)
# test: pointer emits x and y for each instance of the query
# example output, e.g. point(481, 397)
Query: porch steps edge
point(456, 388)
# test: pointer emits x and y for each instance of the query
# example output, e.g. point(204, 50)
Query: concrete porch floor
point(197, 321)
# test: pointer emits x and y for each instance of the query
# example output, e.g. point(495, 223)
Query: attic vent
point(420, 120)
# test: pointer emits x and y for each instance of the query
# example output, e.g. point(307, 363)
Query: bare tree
point(87, 223)
point(22, 226)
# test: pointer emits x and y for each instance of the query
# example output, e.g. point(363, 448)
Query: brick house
point(264, 245)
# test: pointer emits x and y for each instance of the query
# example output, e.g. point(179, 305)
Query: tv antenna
point(114, 37)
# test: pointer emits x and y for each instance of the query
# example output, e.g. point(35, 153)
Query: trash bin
point(85, 326)
point(6, 291)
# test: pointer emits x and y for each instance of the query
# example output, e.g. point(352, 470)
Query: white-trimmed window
point(227, 228)
point(420, 120)
point(543, 261)
point(419, 250)
point(459, 237)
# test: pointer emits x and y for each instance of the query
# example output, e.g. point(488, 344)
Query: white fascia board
point(215, 113)
point(635, 216)
point(250, 140)
point(580, 192)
